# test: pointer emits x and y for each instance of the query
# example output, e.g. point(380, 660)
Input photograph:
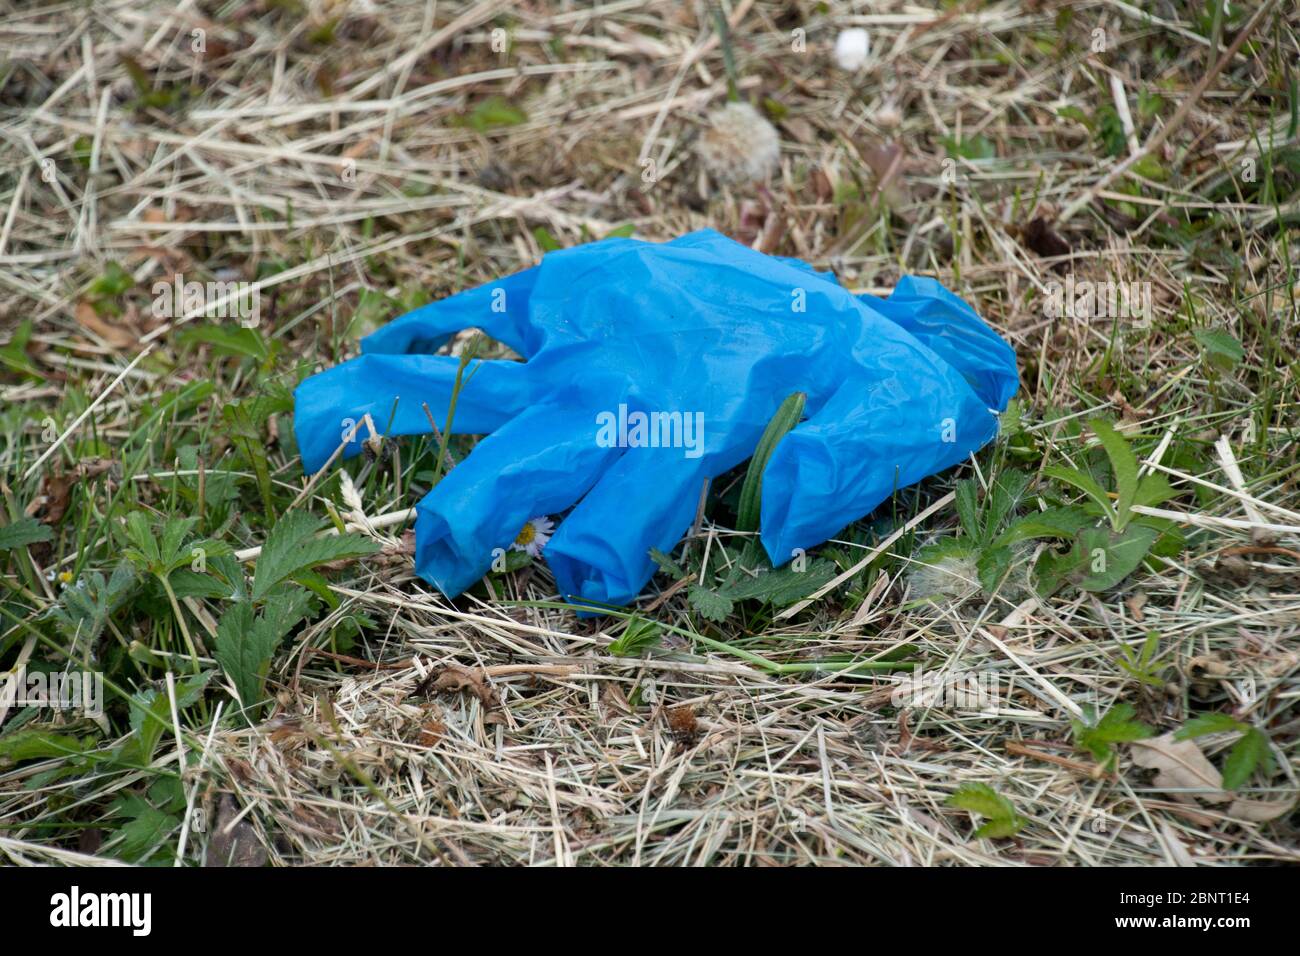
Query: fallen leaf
point(118, 336)
point(452, 679)
point(1039, 237)
point(1180, 766)
point(233, 843)
point(1260, 811)
point(886, 162)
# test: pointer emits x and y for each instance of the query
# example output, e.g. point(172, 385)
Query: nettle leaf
point(145, 831)
point(1099, 737)
point(984, 801)
point(710, 604)
point(245, 644)
point(1123, 464)
point(781, 586)
point(1250, 752)
point(666, 564)
point(1204, 724)
point(24, 531)
point(292, 546)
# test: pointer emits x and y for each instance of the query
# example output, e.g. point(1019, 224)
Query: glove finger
point(951, 329)
point(539, 463)
point(329, 404)
point(499, 308)
point(600, 554)
point(871, 438)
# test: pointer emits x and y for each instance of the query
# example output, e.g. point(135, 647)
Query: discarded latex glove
point(651, 367)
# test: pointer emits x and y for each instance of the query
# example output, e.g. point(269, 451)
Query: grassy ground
point(276, 698)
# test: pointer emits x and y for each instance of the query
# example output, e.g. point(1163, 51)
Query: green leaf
point(710, 604)
point(968, 510)
point(14, 352)
point(244, 648)
point(1248, 753)
point(84, 609)
point(292, 546)
point(638, 637)
point(984, 801)
point(545, 241)
point(751, 493)
point(666, 564)
point(1098, 737)
point(24, 531)
point(1154, 489)
point(1106, 559)
point(493, 112)
point(1053, 523)
point(235, 341)
point(1213, 723)
point(946, 549)
point(1123, 464)
point(37, 744)
point(1085, 483)
point(992, 567)
point(1004, 494)
point(145, 831)
point(1221, 348)
point(782, 586)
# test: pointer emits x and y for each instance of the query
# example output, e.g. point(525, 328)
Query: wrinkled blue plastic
point(897, 389)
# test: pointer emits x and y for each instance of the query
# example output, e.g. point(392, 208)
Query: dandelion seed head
point(740, 145)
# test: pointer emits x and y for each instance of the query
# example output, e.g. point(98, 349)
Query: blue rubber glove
point(651, 367)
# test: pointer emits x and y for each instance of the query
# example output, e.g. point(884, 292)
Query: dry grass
point(315, 149)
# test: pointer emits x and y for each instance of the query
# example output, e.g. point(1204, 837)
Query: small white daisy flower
point(852, 47)
point(534, 535)
point(740, 145)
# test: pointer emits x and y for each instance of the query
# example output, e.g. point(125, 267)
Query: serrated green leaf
point(666, 564)
point(992, 567)
point(1203, 724)
point(984, 801)
point(24, 531)
point(782, 586)
point(1247, 754)
point(292, 546)
point(709, 604)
